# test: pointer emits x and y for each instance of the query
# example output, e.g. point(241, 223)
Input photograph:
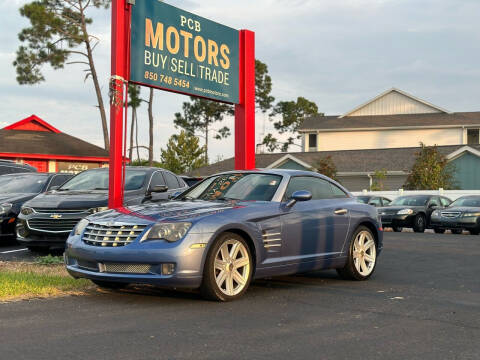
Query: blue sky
point(338, 53)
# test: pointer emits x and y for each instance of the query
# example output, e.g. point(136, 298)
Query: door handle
point(340, 211)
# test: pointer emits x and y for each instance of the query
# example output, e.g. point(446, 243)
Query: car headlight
point(436, 213)
point(5, 208)
point(98, 209)
point(26, 210)
point(471, 214)
point(81, 225)
point(405, 212)
point(167, 231)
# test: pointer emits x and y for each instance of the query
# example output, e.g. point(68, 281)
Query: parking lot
point(423, 302)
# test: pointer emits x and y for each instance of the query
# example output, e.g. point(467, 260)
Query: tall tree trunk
point(150, 129)
point(93, 72)
point(206, 143)
point(132, 130)
point(136, 135)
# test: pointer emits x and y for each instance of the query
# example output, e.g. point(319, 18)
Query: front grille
point(387, 212)
point(125, 268)
point(56, 211)
point(111, 236)
point(450, 214)
point(53, 225)
point(87, 265)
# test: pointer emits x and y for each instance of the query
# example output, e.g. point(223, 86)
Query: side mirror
point(372, 204)
point(157, 189)
point(301, 195)
point(432, 206)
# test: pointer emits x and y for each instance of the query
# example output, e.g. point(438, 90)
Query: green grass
point(49, 260)
point(24, 281)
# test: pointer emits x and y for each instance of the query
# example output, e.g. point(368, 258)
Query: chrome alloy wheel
point(232, 267)
point(364, 253)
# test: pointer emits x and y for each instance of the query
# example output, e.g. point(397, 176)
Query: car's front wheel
point(228, 268)
point(419, 223)
point(362, 256)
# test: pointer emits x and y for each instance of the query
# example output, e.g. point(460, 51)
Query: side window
point(375, 201)
point(337, 192)
point(171, 180)
point(157, 179)
point(386, 201)
point(320, 189)
point(434, 201)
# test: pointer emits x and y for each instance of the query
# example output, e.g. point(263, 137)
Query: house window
point(473, 137)
point(312, 142)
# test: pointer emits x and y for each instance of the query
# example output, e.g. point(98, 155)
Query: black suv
point(16, 189)
point(10, 167)
point(412, 211)
point(46, 220)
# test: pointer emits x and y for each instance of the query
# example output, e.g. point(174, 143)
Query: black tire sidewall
point(209, 288)
point(416, 226)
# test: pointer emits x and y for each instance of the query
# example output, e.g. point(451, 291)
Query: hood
point(172, 210)
point(15, 197)
point(70, 199)
point(463, 209)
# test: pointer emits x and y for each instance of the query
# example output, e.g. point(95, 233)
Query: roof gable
point(395, 102)
point(32, 123)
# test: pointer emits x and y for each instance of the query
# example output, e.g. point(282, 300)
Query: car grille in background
point(125, 268)
point(450, 214)
point(112, 236)
point(387, 212)
point(53, 225)
point(56, 211)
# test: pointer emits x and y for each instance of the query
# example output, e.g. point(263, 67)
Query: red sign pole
point(245, 110)
point(118, 81)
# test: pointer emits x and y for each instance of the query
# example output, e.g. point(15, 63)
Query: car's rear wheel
point(439, 231)
point(456, 231)
point(397, 228)
point(228, 268)
point(109, 284)
point(362, 256)
point(419, 223)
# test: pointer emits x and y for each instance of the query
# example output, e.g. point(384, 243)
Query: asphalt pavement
point(423, 302)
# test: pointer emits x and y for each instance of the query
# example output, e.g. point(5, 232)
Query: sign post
point(158, 45)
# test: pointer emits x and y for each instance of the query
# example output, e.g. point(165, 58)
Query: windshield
point(411, 200)
point(98, 180)
point(467, 202)
point(363, 199)
point(27, 183)
point(242, 186)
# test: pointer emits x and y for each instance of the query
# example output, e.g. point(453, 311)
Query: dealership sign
point(175, 50)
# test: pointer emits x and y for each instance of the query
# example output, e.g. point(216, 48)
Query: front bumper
point(7, 226)
point(469, 222)
point(397, 220)
point(94, 262)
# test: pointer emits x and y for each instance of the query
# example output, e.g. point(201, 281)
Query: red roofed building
point(34, 141)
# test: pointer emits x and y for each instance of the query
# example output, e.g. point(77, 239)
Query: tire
point(456, 231)
point(109, 284)
point(357, 254)
point(39, 249)
point(228, 262)
point(439, 231)
point(419, 223)
point(397, 228)
point(474, 232)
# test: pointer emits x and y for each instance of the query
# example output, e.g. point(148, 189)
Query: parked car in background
point(227, 230)
point(46, 220)
point(412, 211)
point(11, 167)
point(376, 201)
point(16, 189)
point(462, 214)
point(191, 180)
